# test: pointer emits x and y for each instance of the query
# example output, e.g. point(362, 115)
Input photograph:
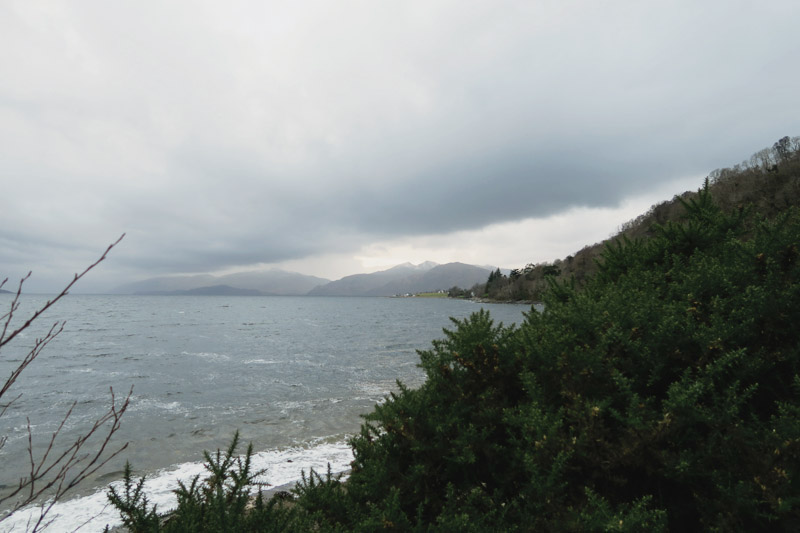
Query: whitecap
point(148, 404)
point(212, 356)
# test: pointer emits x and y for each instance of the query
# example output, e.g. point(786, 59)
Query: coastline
point(513, 302)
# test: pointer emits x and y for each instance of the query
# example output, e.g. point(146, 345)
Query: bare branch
point(13, 307)
point(54, 476)
point(58, 469)
point(38, 346)
point(4, 340)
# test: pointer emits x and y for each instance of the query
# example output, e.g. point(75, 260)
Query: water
point(292, 374)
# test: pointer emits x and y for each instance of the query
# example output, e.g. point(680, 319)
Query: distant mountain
point(166, 284)
point(422, 267)
point(401, 279)
point(269, 282)
point(214, 290)
point(450, 275)
point(405, 279)
point(370, 284)
point(277, 282)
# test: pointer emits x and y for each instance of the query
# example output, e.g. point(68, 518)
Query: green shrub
point(664, 395)
point(222, 502)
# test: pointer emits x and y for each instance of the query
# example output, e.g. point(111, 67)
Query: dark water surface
point(290, 373)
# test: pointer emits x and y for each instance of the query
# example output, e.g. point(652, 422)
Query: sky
point(338, 137)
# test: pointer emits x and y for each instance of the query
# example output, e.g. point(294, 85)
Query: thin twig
point(55, 473)
point(4, 340)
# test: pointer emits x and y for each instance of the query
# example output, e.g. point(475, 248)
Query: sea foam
point(91, 513)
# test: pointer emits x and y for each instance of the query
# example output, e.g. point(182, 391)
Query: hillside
point(768, 182)
point(367, 284)
point(405, 279)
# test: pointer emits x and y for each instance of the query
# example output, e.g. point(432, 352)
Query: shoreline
point(490, 301)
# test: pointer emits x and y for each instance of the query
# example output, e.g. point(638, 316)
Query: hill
point(401, 279)
point(405, 279)
point(369, 284)
point(769, 181)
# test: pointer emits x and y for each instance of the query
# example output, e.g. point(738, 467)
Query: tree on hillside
point(770, 180)
point(781, 148)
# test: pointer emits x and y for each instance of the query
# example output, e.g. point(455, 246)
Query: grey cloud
point(221, 136)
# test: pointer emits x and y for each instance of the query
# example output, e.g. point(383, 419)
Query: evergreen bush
point(662, 395)
point(224, 501)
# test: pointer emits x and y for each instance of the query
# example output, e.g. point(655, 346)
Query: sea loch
point(292, 374)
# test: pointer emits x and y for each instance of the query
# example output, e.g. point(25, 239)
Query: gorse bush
point(225, 501)
point(662, 395)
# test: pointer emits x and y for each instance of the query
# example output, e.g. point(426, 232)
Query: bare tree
point(783, 149)
point(62, 465)
point(765, 158)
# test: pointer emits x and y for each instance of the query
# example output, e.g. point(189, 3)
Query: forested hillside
point(769, 181)
point(662, 394)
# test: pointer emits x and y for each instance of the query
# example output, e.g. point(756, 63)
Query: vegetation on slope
point(662, 395)
point(769, 182)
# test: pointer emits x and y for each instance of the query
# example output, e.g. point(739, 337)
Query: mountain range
point(401, 279)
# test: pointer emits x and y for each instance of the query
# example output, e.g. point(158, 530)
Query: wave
point(211, 356)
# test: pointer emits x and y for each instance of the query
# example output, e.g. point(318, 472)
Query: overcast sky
point(335, 137)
